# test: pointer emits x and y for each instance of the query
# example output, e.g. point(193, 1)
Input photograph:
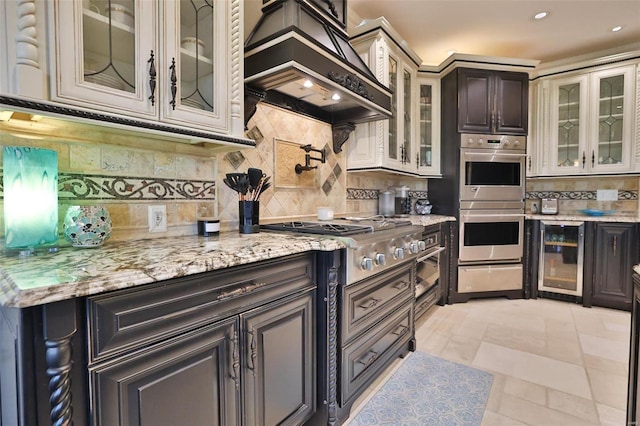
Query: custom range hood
point(299, 57)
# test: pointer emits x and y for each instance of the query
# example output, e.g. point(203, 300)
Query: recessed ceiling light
point(616, 28)
point(540, 15)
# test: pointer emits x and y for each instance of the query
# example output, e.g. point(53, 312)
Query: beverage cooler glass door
point(561, 257)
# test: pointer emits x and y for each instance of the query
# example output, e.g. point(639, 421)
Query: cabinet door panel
point(189, 380)
point(616, 253)
point(512, 95)
point(279, 356)
point(474, 108)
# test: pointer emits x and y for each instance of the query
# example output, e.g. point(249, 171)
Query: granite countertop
point(583, 217)
point(74, 272)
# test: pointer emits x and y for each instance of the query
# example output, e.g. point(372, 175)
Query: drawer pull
point(400, 330)
point(242, 290)
point(252, 357)
point(368, 359)
point(401, 285)
point(235, 360)
point(371, 303)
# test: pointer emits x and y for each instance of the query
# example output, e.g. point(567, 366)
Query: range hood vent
point(299, 57)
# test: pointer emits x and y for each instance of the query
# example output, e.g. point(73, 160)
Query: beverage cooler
point(561, 258)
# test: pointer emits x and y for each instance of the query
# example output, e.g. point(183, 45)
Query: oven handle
point(430, 254)
point(505, 215)
point(493, 154)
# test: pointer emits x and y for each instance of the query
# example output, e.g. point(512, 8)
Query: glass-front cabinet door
point(98, 54)
point(569, 123)
point(160, 60)
point(612, 119)
point(428, 141)
point(591, 118)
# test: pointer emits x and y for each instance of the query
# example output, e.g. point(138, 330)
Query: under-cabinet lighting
point(540, 15)
point(308, 84)
point(616, 28)
point(335, 97)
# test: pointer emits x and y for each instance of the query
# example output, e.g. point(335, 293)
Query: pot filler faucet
point(307, 159)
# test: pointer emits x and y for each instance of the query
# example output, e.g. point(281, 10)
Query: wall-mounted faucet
point(307, 159)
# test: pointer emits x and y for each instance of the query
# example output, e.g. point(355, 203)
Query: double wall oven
point(491, 213)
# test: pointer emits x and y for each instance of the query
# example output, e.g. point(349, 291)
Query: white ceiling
point(503, 28)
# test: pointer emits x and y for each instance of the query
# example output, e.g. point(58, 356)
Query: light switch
point(607, 195)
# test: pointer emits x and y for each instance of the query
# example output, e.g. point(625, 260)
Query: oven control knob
point(381, 259)
point(414, 247)
point(367, 264)
point(422, 245)
point(398, 253)
point(471, 141)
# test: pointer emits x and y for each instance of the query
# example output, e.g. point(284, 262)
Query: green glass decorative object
point(30, 179)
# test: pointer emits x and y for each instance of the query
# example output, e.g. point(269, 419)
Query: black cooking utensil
point(255, 175)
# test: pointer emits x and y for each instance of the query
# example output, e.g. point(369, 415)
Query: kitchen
point(92, 171)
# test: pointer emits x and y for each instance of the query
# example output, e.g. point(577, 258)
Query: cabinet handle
point(583, 159)
point(417, 161)
point(529, 162)
point(152, 78)
point(251, 362)
point(593, 158)
point(615, 244)
point(235, 359)
point(401, 285)
point(174, 79)
point(368, 359)
point(371, 303)
point(402, 154)
point(400, 330)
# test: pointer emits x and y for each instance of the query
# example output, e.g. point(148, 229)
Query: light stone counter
point(74, 272)
point(583, 218)
point(430, 219)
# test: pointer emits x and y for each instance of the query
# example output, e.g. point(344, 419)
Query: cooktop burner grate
point(332, 228)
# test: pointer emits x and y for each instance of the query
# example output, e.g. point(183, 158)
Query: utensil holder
point(249, 215)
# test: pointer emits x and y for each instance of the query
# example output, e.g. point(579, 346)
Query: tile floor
point(554, 363)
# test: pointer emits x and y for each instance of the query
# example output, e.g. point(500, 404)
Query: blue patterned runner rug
point(427, 390)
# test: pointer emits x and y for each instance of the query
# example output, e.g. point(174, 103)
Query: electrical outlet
point(157, 219)
point(607, 195)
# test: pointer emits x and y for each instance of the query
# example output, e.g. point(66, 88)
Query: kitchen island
point(98, 336)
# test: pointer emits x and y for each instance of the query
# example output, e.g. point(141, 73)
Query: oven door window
point(493, 173)
point(491, 233)
point(428, 271)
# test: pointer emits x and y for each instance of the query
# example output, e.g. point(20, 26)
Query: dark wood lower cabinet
point(229, 347)
point(633, 391)
point(611, 250)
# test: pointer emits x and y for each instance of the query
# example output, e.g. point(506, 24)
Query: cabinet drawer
point(365, 303)
point(365, 358)
point(128, 319)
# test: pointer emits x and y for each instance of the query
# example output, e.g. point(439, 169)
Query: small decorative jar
point(87, 226)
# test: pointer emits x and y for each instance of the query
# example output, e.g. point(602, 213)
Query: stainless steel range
point(367, 307)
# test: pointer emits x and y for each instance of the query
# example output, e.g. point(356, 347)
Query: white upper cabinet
point(172, 61)
point(395, 145)
point(585, 123)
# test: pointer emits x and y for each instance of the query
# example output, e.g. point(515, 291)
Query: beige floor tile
point(533, 368)
point(526, 390)
point(494, 419)
point(460, 349)
point(533, 414)
point(610, 416)
point(564, 350)
point(608, 389)
point(573, 405)
point(613, 367)
point(612, 349)
point(516, 338)
point(497, 390)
